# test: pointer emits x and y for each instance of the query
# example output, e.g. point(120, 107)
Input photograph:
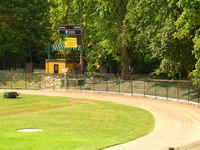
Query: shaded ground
point(176, 124)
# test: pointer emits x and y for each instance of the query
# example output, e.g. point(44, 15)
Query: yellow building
point(56, 65)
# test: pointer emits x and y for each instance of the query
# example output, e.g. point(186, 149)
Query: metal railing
point(177, 91)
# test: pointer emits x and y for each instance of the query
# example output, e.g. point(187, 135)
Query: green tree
point(103, 25)
point(188, 29)
point(111, 25)
point(10, 53)
point(153, 26)
point(147, 35)
point(23, 30)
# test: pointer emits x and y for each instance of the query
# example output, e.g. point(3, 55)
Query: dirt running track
point(176, 124)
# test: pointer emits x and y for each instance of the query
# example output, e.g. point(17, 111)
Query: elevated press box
point(56, 65)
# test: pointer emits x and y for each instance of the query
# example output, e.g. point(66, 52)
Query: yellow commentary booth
point(56, 65)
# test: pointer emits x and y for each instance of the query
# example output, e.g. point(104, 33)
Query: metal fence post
point(131, 87)
point(167, 91)
point(155, 90)
point(178, 92)
point(93, 84)
point(25, 81)
point(198, 96)
point(144, 88)
point(67, 84)
point(11, 86)
point(106, 86)
point(188, 94)
point(119, 87)
point(79, 82)
point(53, 82)
point(40, 81)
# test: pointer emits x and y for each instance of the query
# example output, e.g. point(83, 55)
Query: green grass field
point(69, 124)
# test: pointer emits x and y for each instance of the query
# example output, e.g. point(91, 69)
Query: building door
point(56, 68)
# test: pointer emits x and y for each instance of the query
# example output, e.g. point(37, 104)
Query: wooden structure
point(56, 66)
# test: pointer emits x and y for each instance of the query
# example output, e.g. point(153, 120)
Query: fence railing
point(178, 91)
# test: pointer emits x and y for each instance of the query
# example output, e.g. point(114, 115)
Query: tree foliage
point(23, 31)
point(154, 26)
point(159, 37)
point(146, 36)
point(188, 29)
point(103, 26)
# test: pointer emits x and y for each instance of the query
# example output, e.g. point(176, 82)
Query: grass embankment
point(69, 124)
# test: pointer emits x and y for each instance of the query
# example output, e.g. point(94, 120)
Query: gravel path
point(176, 124)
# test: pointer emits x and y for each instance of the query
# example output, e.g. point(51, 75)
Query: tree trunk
point(125, 63)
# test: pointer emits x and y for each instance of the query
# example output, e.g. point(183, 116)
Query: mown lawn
point(69, 124)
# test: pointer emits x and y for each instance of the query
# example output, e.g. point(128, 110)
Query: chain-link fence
point(178, 91)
